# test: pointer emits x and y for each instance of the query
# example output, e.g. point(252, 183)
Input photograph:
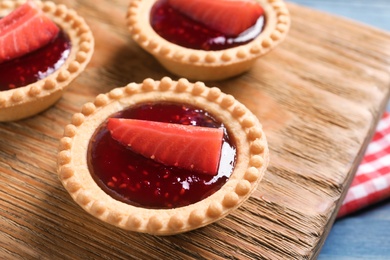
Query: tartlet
point(250, 164)
point(208, 65)
point(25, 101)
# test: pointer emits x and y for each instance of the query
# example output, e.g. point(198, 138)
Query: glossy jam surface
point(142, 182)
point(184, 31)
point(35, 65)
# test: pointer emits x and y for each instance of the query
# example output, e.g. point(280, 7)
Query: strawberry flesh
point(141, 181)
point(36, 65)
point(25, 30)
point(183, 146)
point(179, 28)
point(40, 47)
point(231, 17)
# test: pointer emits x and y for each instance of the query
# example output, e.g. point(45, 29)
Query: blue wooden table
point(365, 234)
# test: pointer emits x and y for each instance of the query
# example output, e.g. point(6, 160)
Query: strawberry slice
point(230, 17)
point(189, 147)
point(24, 30)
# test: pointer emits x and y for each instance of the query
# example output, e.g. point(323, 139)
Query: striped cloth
point(372, 180)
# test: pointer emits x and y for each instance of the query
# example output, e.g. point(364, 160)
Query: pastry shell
point(208, 65)
point(31, 99)
point(251, 163)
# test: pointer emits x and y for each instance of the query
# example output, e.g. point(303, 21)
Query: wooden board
point(319, 96)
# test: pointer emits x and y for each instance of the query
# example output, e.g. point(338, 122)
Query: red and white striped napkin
point(372, 181)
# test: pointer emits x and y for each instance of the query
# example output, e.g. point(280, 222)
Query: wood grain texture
point(363, 235)
point(319, 96)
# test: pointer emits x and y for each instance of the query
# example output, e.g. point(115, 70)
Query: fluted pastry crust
point(252, 157)
point(31, 99)
point(208, 65)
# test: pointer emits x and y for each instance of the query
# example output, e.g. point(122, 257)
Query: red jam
point(35, 65)
point(184, 31)
point(142, 182)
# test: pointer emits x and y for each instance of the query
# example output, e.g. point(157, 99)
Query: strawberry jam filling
point(36, 65)
point(180, 29)
point(143, 182)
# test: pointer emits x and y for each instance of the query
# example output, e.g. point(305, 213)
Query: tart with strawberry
point(162, 157)
point(43, 47)
point(208, 40)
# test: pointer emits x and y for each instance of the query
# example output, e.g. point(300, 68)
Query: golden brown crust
point(208, 65)
point(251, 164)
point(31, 99)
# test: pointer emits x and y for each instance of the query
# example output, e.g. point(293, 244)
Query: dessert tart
point(198, 62)
point(25, 92)
point(100, 173)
